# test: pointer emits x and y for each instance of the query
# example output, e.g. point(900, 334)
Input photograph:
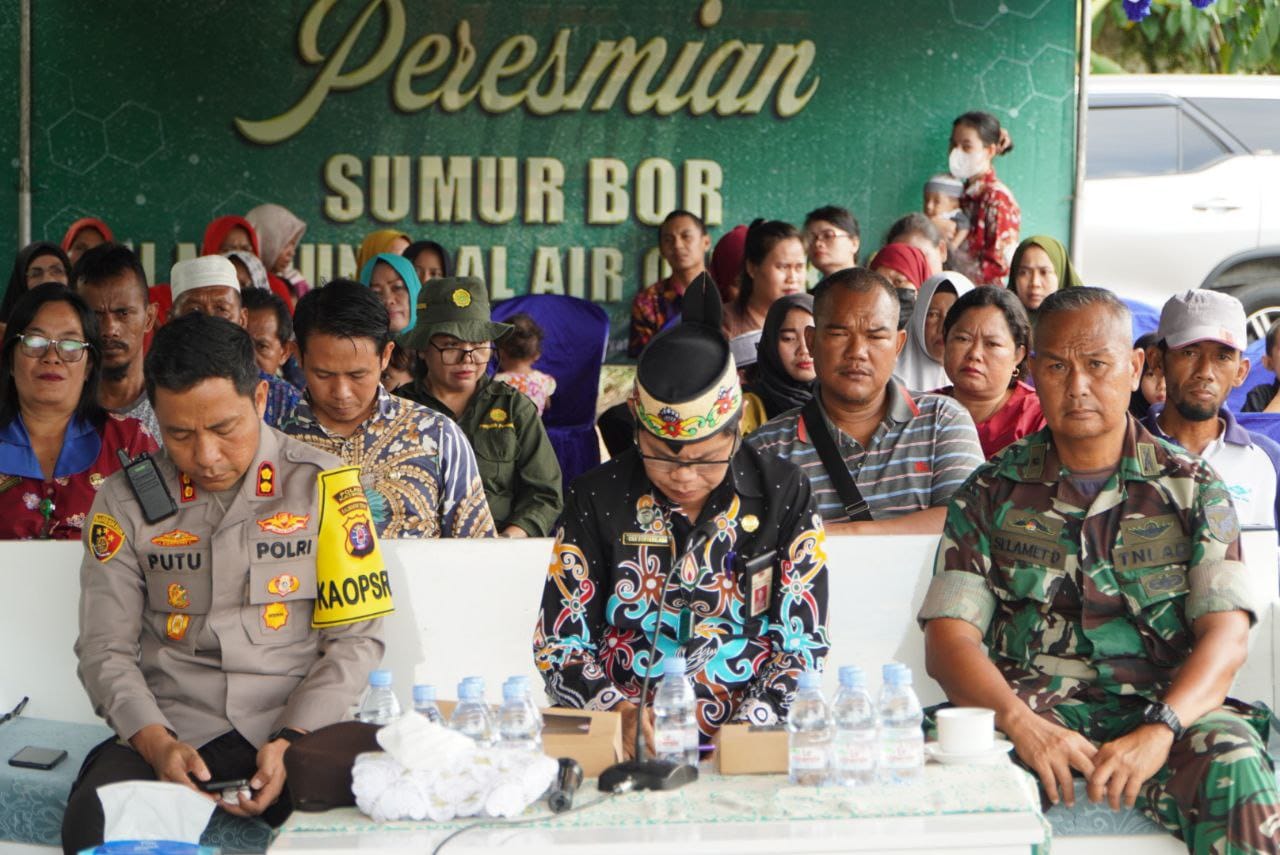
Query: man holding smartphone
point(197, 631)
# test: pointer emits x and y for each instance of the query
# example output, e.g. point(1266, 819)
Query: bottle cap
point(886, 670)
point(469, 691)
point(479, 681)
point(810, 680)
point(423, 693)
point(904, 676)
point(851, 677)
point(380, 678)
point(512, 691)
point(674, 665)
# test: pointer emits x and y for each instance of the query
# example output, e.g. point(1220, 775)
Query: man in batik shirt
point(747, 607)
point(1100, 569)
point(416, 466)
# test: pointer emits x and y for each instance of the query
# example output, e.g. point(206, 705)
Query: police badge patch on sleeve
point(1222, 523)
point(105, 537)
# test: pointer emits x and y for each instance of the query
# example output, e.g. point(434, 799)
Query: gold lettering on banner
point(521, 72)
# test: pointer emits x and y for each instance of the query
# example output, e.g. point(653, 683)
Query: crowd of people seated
point(956, 381)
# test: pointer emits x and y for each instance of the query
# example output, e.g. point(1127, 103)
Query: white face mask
point(966, 164)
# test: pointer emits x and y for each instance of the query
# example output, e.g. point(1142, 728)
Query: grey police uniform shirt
point(201, 622)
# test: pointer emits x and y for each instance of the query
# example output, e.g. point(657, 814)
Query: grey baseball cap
point(1203, 315)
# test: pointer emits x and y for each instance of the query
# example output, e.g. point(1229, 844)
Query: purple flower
point(1202, 4)
point(1137, 9)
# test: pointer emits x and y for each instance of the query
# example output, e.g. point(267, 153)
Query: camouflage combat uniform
point(1087, 610)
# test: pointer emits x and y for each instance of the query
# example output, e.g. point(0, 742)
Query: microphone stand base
point(647, 775)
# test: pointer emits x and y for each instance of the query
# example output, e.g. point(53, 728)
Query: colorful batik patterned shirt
point(746, 638)
point(416, 467)
point(651, 308)
point(1089, 600)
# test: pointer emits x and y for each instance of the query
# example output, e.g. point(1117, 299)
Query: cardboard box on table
point(742, 749)
point(592, 738)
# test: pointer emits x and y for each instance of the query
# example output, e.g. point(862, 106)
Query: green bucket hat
point(456, 306)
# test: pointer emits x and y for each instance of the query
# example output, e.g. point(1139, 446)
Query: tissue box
point(742, 749)
point(594, 739)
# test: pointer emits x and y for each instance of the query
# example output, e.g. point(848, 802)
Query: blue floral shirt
point(416, 467)
point(282, 397)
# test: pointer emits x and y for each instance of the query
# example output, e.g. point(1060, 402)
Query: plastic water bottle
point(675, 723)
point(380, 705)
point(853, 758)
point(518, 725)
point(809, 726)
point(424, 702)
point(523, 681)
point(901, 739)
point(471, 715)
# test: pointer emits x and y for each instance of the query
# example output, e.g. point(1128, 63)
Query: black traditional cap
point(686, 381)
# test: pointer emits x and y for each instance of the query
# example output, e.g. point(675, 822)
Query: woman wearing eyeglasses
point(57, 445)
point(453, 337)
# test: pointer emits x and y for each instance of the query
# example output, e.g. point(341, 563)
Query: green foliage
point(1228, 37)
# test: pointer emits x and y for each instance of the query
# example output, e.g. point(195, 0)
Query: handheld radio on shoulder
point(148, 487)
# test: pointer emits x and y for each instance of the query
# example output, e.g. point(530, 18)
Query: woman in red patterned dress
point(976, 140)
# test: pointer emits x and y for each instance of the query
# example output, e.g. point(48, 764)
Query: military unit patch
point(105, 537)
point(1222, 523)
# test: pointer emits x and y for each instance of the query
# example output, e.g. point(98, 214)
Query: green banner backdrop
point(540, 141)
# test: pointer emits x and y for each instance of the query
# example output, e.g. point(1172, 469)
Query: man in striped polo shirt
point(906, 454)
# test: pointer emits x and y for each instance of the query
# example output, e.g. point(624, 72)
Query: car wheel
point(1261, 306)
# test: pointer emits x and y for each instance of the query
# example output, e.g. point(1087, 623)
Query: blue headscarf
point(404, 269)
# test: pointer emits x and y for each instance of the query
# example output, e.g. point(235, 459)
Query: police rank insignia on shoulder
point(105, 537)
point(497, 414)
point(283, 585)
point(266, 480)
point(1222, 523)
point(186, 489)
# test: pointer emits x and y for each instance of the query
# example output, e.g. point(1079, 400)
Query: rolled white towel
point(421, 744)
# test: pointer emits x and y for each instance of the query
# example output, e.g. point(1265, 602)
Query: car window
point(1254, 121)
point(1199, 148)
point(1132, 141)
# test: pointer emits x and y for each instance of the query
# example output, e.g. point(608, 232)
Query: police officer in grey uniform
point(196, 641)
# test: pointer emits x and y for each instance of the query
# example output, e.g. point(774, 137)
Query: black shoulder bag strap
point(854, 505)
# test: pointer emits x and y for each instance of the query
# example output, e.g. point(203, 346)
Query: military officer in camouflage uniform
point(1101, 568)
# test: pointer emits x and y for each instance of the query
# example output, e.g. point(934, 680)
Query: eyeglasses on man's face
point(825, 237)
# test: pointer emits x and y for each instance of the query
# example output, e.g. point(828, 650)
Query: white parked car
point(1182, 188)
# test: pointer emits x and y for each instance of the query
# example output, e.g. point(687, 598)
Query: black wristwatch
point(1164, 714)
point(288, 734)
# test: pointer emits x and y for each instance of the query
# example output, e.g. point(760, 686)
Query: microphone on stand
point(654, 774)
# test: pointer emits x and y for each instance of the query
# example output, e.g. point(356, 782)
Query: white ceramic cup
point(966, 730)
